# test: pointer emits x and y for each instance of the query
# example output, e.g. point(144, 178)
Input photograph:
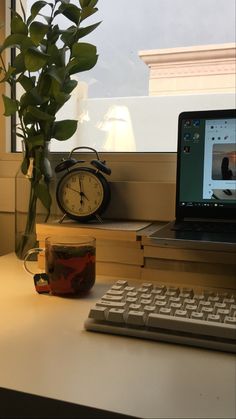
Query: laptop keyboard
point(159, 312)
point(205, 227)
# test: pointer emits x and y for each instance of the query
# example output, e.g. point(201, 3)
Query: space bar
point(198, 327)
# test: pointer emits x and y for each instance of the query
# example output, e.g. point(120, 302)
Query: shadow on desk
point(15, 404)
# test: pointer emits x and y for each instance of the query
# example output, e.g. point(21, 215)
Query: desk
point(45, 351)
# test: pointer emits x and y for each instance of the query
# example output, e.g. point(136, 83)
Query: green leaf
point(17, 40)
point(85, 58)
point(88, 3)
point(35, 141)
point(53, 34)
point(26, 82)
point(83, 50)
point(35, 9)
point(69, 85)
point(85, 31)
point(19, 63)
point(45, 85)
point(57, 56)
point(42, 192)
point(32, 97)
point(8, 74)
point(62, 130)
point(86, 12)
point(78, 65)
point(10, 105)
point(37, 32)
point(38, 114)
point(59, 96)
point(70, 11)
point(34, 59)
point(57, 73)
point(18, 26)
point(68, 36)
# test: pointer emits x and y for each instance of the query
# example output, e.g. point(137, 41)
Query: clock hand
point(81, 190)
point(83, 194)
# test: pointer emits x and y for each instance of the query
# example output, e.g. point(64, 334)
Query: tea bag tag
point(41, 283)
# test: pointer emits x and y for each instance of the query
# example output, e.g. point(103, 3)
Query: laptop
point(205, 183)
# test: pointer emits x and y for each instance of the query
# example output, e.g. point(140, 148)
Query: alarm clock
point(83, 193)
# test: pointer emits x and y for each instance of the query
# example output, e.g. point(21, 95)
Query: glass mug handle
point(31, 252)
point(41, 280)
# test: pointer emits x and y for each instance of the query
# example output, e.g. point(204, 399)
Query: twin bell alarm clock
point(83, 193)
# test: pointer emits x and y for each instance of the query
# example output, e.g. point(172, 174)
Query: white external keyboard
point(166, 313)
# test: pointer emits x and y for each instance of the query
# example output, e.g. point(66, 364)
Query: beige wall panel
point(7, 202)
point(7, 233)
point(2, 87)
point(142, 201)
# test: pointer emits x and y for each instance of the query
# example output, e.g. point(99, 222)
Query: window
point(117, 114)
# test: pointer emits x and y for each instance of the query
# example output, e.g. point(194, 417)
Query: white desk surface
point(44, 350)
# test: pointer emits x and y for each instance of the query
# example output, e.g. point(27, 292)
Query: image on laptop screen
point(206, 169)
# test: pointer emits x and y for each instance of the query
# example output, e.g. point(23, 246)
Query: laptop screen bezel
point(183, 212)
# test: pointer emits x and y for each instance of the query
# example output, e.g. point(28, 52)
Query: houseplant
point(47, 58)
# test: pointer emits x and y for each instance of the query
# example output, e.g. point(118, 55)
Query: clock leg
point(62, 219)
point(99, 218)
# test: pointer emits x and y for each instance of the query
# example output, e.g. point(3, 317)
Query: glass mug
point(69, 263)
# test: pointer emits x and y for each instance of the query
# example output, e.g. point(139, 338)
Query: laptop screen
point(206, 165)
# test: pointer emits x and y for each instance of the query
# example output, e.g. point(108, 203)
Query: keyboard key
point(135, 318)
point(165, 310)
point(145, 301)
point(129, 289)
point(181, 325)
point(112, 297)
point(110, 304)
point(132, 294)
point(160, 304)
point(231, 320)
point(98, 313)
point(213, 318)
point(147, 285)
point(115, 292)
point(116, 315)
point(149, 309)
point(122, 283)
point(181, 313)
point(196, 315)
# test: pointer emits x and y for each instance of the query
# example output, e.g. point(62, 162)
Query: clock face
point(80, 193)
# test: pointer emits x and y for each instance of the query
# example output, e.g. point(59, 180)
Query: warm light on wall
point(118, 126)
